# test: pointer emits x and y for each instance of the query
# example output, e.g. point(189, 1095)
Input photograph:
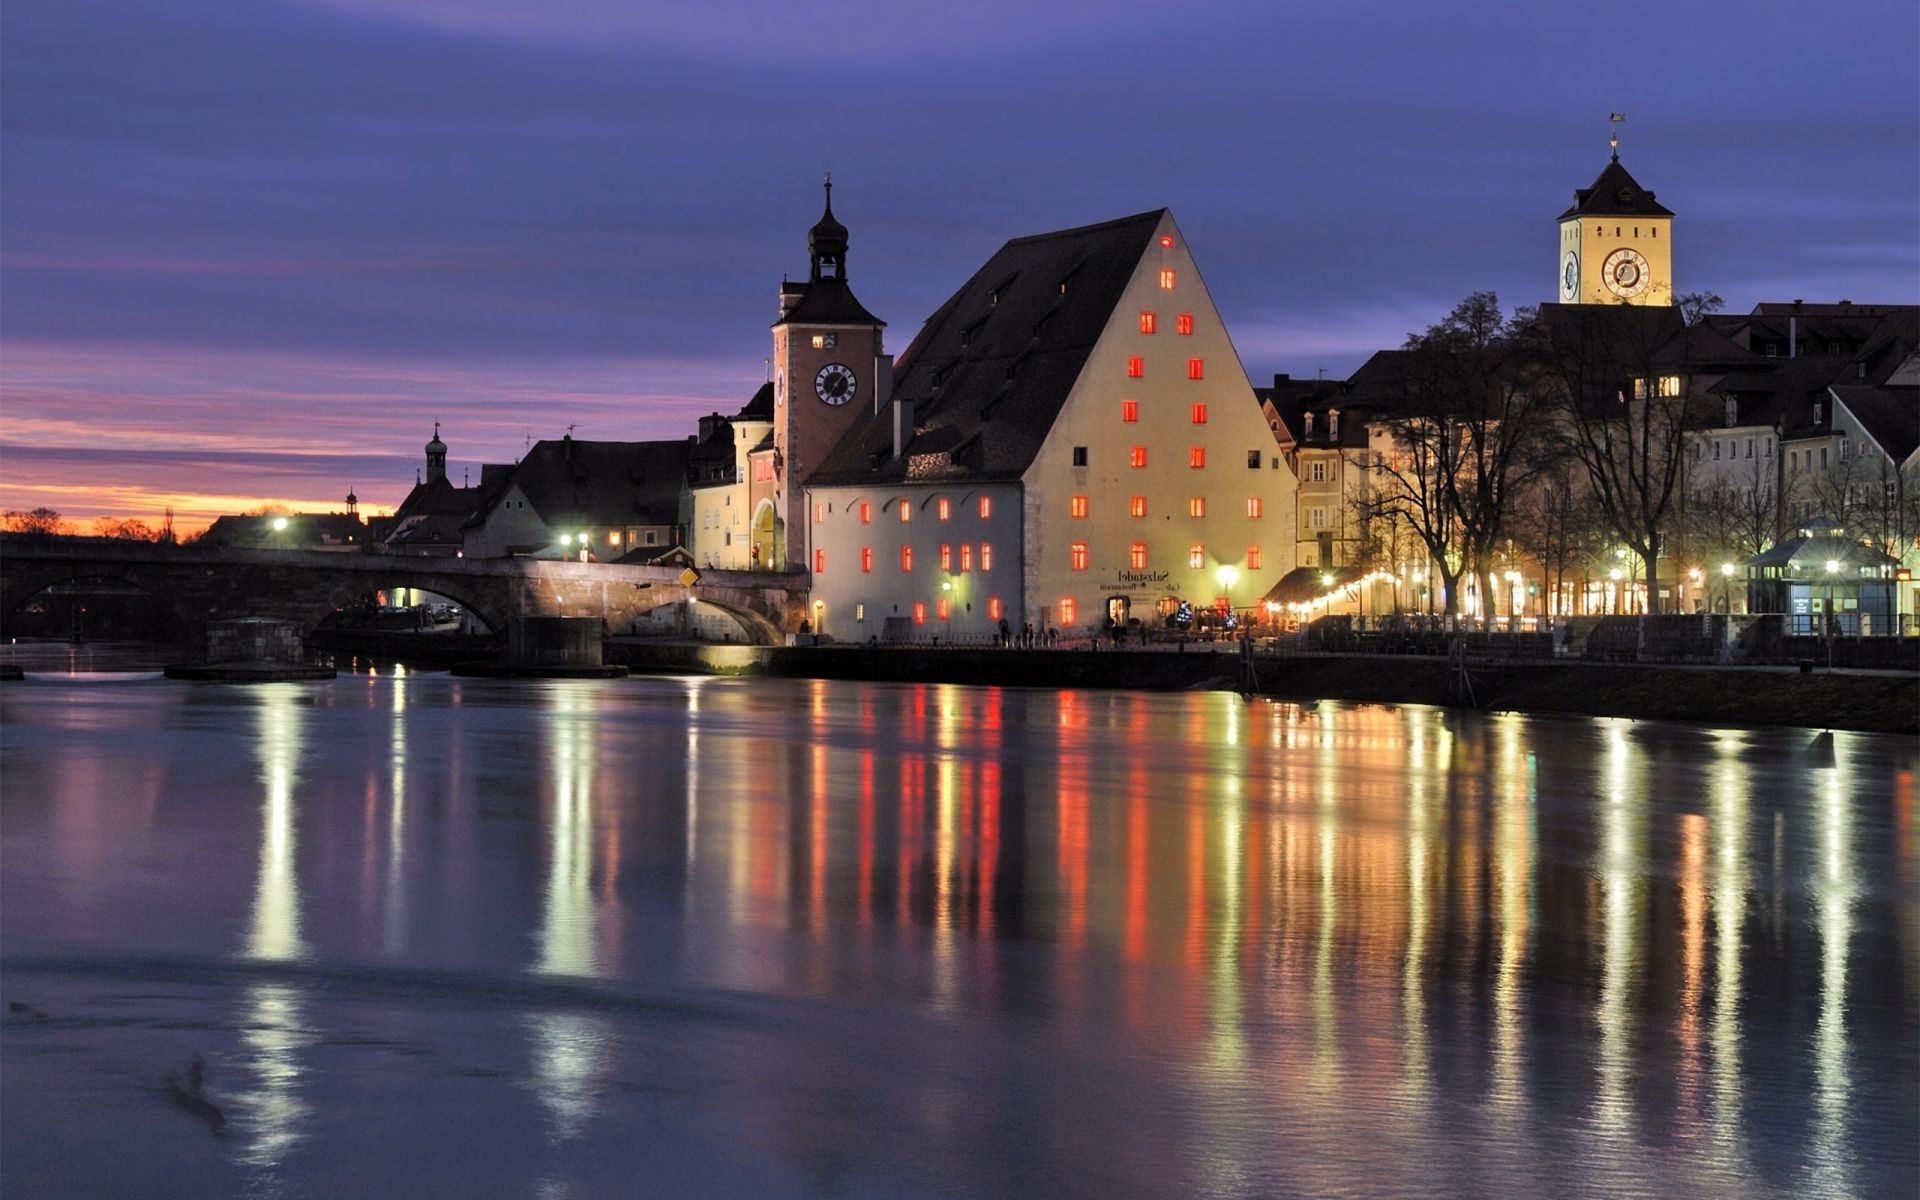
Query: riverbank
point(1866, 702)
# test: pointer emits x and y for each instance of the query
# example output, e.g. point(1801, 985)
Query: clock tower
point(1616, 243)
point(827, 359)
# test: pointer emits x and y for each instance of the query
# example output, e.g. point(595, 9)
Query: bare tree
point(134, 530)
point(42, 521)
point(1627, 396)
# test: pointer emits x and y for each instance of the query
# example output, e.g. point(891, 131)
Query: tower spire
point(1613, 140)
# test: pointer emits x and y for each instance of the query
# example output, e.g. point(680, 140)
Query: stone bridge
point(307, 586)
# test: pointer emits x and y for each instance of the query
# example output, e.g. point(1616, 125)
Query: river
point(732, 937)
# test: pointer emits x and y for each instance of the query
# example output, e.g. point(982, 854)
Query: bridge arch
point(342, 595)
point(23, 587)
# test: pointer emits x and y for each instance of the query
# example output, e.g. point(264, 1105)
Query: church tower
point(1616, 243)
point(436, 457)
point(828, 367)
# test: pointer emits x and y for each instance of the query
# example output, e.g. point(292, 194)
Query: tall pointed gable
point(1615, 194)
point(987, 375)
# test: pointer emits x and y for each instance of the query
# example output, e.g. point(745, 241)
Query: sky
point(250, 253)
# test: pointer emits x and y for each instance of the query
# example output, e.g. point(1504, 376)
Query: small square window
point(819, 562)
point(1253, 558)
point(1199, 414)
point(866, 513)
point(1166, 279)
point(1069, 611)
point(993, 608)
point(866, 559)
point(906, 558)
point(1079, 456)
point(1137, 506)
point(986, 507)
point(1147, 322)
point(906, 511)
point(1196, 556)
point(1253, 507)
point(1137, 556)
point(1197, 457)
point(986, 556)
point(943, 509)
point(1129, 411)
point(1196, 368)
point(1197, 506)
point(1077, 508)
point(1183, 324)
point(1078, 553)
point(1135, 367)
point(966, 557)
point(1253, 460)
point(946, 556)
point(1137, 456)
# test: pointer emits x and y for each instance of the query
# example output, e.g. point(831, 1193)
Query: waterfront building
point(1071, 438)
point(432, 520)
point(1616, 243)
point(598, 500)
point(720, 498)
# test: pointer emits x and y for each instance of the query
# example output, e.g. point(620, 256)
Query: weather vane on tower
point(1614, 140)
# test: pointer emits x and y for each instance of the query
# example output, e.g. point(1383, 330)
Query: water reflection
point(1293, 950)
point(272, 1017)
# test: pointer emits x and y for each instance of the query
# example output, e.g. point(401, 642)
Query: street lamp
point(946, 603)
point(1619, 597)
point(1726, 593)
point(1228, 575)
point(1833, 568)
point(279, 524)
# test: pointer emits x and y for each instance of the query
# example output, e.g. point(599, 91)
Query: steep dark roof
point(826, 301)
point(1291, 397)
point(604, 483)
point(1890, 415)
point(990, 369)
point(760, 408)
point(1615, 194)
point(438, 497)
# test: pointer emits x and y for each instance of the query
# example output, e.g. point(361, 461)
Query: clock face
point(1625, 273)
point(835, 384)
point(1570, 276)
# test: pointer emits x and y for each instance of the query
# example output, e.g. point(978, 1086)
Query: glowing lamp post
point(1619, 596)
point(1228, 576)
point(1726, 590)
point(1833, 568)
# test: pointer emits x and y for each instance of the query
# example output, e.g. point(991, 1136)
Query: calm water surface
point(763, 938)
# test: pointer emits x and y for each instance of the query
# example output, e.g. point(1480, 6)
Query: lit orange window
point(966, 557)
point(906, 511)
point(1135, 368)
point(1196, 368)
point(986, 556)
point(1199, 414)
point(941, 609)
point(1147, 322)
point(1129, 410)
point(1069, 611)
point(1197, 456)
point(866, 513)
point(819, 513)
point(1253, 558)
point(1077, 507)
point(986, 507)
point(866, 559)
point(1137, 506)
point(944, 509)
point(1137, 556)
point(946, 556)
point(1183, 324)
point(919, 614)
point(1166, 240)
point(1166, 279)
point(1079, 550)
point(1197, 506)
point(1196, 556)
point(819, 562)
point(1137, 456)
point(906, 558)
point(1253, 507)
point(993, 608)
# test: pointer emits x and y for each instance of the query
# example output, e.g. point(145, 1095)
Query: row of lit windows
point(1130, 412)
point(942, 510)
point(1182, 324)
point(942, 609)
point(1137, 455)
point(1137, 367)
point(947, 558)
point(1080, 506)
point(1078, 556)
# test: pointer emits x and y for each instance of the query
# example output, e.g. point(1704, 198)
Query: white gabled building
point(1070, 438)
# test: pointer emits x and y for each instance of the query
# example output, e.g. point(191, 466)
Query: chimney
point(902, 425)
point(1280, 379)
point(1793, 336)
point(882, 381)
